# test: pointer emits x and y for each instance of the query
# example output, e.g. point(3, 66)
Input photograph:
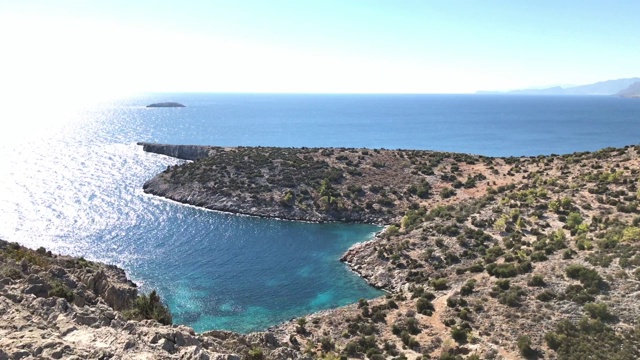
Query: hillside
point(608, 87)
point(490, 257)
point(633, 91)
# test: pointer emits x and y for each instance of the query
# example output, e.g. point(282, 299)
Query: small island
point(165, 104)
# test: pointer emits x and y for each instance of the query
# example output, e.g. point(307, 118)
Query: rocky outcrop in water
point(165, 104)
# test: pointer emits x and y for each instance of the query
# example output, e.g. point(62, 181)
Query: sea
point(71, 179)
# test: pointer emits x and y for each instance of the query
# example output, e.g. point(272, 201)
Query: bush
point(439, 284)
point(592, 339)
point(61, 290)
point(467, 289)
point(536, 280)
point(546, 296)
point(459, 334)
point(255, 354)
point(590, 279)
point(510, 297)
point(149, 307)
point(524, 345)
point(503, 284)
point(327, 344)
point(598, 311)
point(554, 340)
point(577, 293)
point(424, 306)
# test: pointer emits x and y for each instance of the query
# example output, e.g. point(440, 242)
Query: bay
point(71, 178)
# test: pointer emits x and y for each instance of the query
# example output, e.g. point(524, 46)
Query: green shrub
point(598, 311)
point(327, 344)
point(467, 289)
point(61, 290)
point(459, 334)
point(439, 284)
point(255, 354)
point(149, 307)
point(536, 280)
point(524, 345)
point(593, 339)
point(503, 284)
point(578, 294)
point(590, 279)
point(546, 296)
point(424, 306)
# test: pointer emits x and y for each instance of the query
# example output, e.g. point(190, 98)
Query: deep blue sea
point(71, 178)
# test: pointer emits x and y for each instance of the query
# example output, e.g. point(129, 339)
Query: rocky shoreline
point(54, 307)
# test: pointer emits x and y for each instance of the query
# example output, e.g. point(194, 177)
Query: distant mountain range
point(633, 91)
point(622, 87)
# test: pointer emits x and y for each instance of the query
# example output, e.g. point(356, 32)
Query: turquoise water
point(71, 179)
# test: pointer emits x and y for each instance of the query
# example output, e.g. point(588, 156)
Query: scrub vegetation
point(530, 257)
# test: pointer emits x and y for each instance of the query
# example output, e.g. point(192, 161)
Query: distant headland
point(165, 104)
point(617, 87)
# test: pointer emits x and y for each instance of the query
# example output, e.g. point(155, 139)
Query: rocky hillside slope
point(533, 257)
point(633, 91)
point(349, 185)
point(59, 307)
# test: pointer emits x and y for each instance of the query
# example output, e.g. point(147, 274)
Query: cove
point(228, 272)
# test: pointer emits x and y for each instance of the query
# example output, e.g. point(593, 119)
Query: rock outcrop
point(184, 152)
point(165, 104)
point(55, 307)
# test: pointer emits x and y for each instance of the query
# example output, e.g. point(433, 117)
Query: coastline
point(248, 214)
point(523, 247)
point(439, 254)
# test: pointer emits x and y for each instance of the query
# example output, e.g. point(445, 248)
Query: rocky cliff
point(55, 307)
point(184, 152)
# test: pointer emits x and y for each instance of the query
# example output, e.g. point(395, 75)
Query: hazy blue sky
point(314, 46)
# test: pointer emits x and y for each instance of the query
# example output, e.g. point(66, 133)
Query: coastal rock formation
point(165, 104)
point(55, 307)
point(184, 152)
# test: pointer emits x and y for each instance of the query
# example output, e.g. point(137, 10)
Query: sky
point(342, 46)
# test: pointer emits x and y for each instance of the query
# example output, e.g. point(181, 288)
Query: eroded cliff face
point(184, 152)
point(54, 307)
